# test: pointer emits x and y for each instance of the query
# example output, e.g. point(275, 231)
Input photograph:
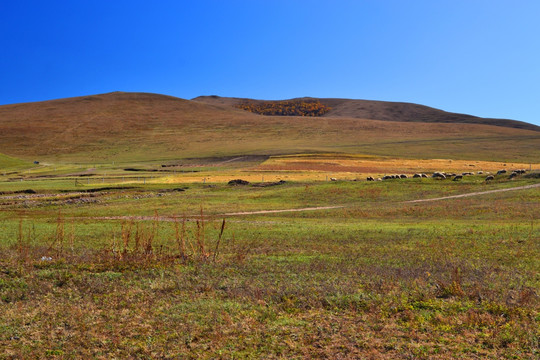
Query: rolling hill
point(127, 127)
point(383, 110)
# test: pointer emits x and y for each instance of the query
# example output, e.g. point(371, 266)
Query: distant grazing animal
point(458, 177)
point(489, 177)
point(379, 179)
point(370, 178)
point(438, 175)
point(480, 172)
point(503, 171)
point(424, 175)
point(417, 176)
point(387, 177)
point(403, 176)
point(333, 179)
point(467, 173)
point(513, 175)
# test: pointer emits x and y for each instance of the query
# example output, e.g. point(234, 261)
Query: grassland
point(126, 240)
point(8, 163)
point(100, 262)
point(129, 127)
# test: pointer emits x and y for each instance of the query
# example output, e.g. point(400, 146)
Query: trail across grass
point(262, 212)
point(477, 193)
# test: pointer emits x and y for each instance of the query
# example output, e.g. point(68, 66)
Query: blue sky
point(480, 57)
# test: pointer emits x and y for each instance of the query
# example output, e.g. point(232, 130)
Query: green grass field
point(120, 264)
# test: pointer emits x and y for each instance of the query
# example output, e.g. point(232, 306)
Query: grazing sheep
point(438, 175)
point(467, 173)
point(457, 177)
point(403, 176)
point(500, 172)
point(480, 172)
point(370, 178)
point(424, 175)
point(489, 177)
point(417, 176)
point(333, 179)
point(513, 175)
point(379, 179)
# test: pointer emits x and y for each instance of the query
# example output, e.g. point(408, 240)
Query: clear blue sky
point(480, 57)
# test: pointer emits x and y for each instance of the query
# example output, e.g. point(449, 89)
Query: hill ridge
point(123, 126)
point(382, 110)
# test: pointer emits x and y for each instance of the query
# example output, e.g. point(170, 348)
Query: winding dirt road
point(475, 193)
point(258, 212)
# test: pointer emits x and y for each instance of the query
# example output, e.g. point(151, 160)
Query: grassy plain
point(121, 127)
point(100, 262)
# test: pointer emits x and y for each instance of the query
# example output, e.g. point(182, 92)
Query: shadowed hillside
point(126, 127)
point(382, 110)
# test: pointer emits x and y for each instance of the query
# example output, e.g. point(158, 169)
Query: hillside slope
point(128, 127)
point(384, 110)
point(82, 124)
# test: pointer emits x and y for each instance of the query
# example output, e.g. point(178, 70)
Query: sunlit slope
point(382, 110)
point(139, 127)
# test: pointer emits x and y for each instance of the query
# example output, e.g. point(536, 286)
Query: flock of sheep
point(444, 175)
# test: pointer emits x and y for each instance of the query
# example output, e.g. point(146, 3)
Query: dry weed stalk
point(20, 237)
point(126, 235)
point(138, 235)
point(454, 288)
point(180, 236)
point(22, 243)
point(72, 237)
point(137, 242)
point(456, 282)
point(177, 237)
point(60, 233)
point(219, 239)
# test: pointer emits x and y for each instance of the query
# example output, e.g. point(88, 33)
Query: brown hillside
point(384, 110)
point(140, 127)
point(75, 124)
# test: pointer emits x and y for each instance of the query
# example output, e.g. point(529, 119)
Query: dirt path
point(231, 160)
point(475, 193)
point(283, 210)
point(194, 217)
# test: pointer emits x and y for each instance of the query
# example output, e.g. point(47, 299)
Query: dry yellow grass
point(379, 166)
point(350, 167)
point(252, 176)
point(132, 127)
